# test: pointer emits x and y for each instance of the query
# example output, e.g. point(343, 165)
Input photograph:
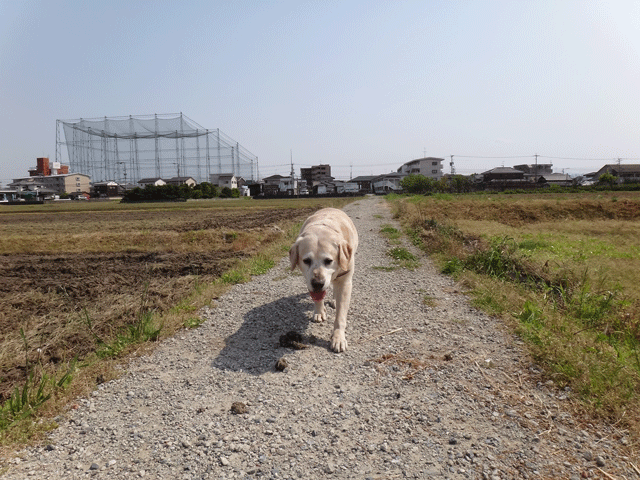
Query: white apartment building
point(429, 167)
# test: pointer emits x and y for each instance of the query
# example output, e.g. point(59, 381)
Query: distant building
point(533, 172)
point(502, 174)
point(288, 185)
point(390, 182)
point(107, 189)
point(177, 181)
point(223, 180)
point(346, 187)
point(324, 188)
point(44, 169)
point(155, 181)
point(364, 183)
point(559, 179)
point(430, 167)
point(316, 174)
point(533, 169)
point(70, 183)
point(273, 180)
point(503, 178)
point(625, 173)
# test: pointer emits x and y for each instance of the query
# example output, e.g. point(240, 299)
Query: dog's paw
point(319, 314)
point(338, 342)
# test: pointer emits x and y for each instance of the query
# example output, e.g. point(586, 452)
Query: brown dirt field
point(65, 301)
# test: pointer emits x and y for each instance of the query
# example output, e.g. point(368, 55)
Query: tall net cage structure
point(127, 149)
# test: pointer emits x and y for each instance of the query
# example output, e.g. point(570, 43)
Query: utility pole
point(293, 189)
point(536, 174)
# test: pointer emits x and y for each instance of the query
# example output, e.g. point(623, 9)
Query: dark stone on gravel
point(293, 340)
point(238, 408)
point(281, 364)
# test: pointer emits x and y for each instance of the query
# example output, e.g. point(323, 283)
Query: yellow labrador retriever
point(324, 251)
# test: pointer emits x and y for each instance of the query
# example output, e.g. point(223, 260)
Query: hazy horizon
point(362, 86)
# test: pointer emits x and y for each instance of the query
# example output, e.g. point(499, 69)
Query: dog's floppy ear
point(344, 255)
point(293, 255)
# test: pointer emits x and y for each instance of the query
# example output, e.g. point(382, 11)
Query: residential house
point(560, 179)
point(288, 185)
point(273, 180)
point(346, 187)
point(106, 189)
point(532, 172)
point(364, 183)
point(155, 181)
point(324, 188)
point(501, 178)
point(387, 183)
point(223, 180)
point(429, 167)
point(624, 172)
point(177, 181)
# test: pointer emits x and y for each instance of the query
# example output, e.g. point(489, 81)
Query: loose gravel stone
point(426, 390)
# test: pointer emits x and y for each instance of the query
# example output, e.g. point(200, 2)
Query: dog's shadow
point(255, 347)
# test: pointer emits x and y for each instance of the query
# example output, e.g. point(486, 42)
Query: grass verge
point(567, 286)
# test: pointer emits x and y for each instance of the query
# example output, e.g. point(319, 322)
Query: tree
point(417, 184)
point(607, 179)
point(460, 184)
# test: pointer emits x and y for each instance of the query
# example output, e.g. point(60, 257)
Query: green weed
point(234, 276)
point(261, 264)
point(144, 330)
point(193, 322)
point(390, 232)
point(404, 258)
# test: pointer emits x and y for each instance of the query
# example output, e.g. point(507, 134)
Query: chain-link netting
point(127, 149)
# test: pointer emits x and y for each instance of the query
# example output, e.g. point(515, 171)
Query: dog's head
point(319, 260)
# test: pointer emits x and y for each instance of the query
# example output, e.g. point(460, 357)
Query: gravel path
point(430, 389)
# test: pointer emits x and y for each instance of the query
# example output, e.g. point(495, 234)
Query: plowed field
point(72, 278)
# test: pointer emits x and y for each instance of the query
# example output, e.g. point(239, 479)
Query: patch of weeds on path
point(404, 258)
point(429, 301)
point(386, 269)
point(392, 234)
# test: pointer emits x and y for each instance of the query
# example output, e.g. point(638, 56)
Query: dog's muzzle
point(316, 285)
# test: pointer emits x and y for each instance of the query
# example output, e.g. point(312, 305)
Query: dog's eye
point(307, 261)
point(328, 261)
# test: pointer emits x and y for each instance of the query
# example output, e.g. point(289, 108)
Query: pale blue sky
point(371, 84)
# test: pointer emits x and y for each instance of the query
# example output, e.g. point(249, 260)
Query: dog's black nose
point(316, 285)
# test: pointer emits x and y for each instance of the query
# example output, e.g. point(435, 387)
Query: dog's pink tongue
point(317, 296)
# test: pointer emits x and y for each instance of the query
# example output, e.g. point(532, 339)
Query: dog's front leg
point(342, 289)
point(319, 311)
